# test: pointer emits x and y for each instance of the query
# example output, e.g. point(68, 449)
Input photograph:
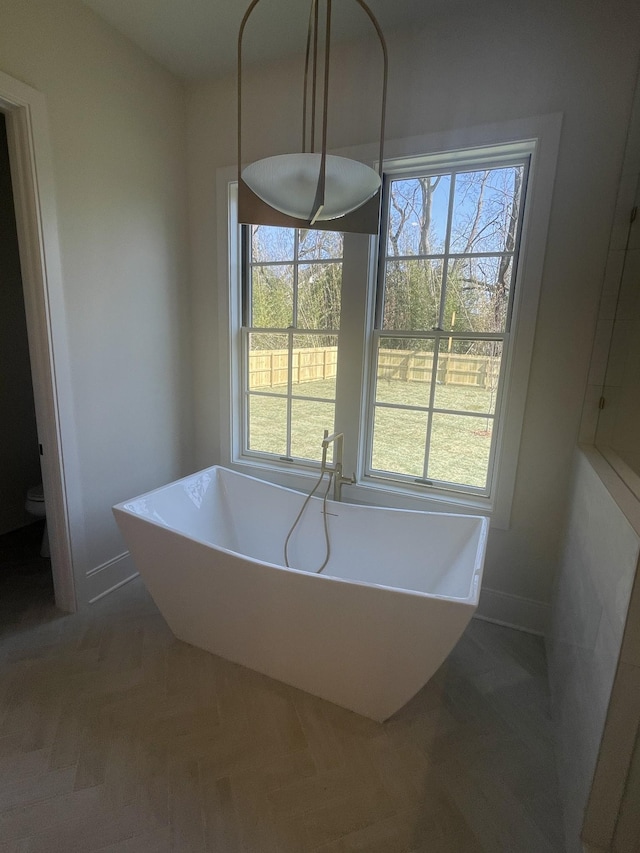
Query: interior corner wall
point(19, 458)
point(593, 646)
point(598, 565)
point(493, 64)
point(117, 130)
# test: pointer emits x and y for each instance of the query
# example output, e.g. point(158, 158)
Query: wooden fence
point(477, 371)
point(269, 368)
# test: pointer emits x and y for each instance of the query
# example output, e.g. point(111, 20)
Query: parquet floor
point(116, 737)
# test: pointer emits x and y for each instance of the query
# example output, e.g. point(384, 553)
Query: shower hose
point(324, 516)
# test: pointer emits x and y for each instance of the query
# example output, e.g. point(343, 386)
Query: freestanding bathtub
point(367, 633)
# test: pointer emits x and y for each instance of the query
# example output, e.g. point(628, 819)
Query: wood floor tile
point(31, 789)
point(154, 841)
point(24, 820)
point(13, 847)
point(322, 739)
point(25, 763)
point(116, 737)
point(459, 841)
point(222, 828)
point(354, 811)
point(393, 834)
point(86, 832)
point(185, 815)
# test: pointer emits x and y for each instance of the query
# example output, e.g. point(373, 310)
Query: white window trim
point(539, 136)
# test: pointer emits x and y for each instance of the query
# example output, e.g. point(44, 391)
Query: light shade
point(289, 183)
point(313, 189)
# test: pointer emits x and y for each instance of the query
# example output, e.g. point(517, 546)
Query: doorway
point(25, 570)
point(25, 117)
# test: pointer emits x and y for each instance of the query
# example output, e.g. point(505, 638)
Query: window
point(448, 255)
point(416, 344)
point(445, 286)
point(292, 289)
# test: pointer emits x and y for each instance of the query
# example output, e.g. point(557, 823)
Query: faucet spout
point(335, 436)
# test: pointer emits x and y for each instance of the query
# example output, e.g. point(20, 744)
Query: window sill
point(371, 493)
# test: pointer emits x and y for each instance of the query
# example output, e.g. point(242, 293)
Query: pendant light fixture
point(310, 188)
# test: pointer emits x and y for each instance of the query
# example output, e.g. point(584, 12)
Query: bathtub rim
point(471, 600)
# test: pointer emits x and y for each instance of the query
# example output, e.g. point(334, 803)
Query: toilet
point(35, 506)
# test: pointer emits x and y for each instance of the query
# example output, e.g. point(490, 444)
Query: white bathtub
point(367, 633)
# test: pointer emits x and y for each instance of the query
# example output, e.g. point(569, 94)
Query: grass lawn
point(459, 444)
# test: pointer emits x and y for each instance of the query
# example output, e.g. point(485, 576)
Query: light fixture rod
point(318, 203)
point(385, 75)
point(243, 24)
point(314, 90)
point(325, 104)
point(307, 59)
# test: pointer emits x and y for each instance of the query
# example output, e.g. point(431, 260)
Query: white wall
point(117, 131)
point(19, 458)
point(615, 363)
point(502, 62)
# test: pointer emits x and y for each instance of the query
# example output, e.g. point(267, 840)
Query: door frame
point(31, 164)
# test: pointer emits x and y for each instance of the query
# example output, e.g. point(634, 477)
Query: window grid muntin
point(445, 268)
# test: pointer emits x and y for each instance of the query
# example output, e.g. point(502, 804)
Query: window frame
point(539, 136)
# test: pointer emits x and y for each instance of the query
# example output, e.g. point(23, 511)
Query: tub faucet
point(337, 439)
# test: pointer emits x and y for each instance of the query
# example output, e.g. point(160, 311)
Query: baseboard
point(109, 576)
point(513, 611)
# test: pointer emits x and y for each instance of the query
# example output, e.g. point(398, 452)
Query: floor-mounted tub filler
point(396, 594)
